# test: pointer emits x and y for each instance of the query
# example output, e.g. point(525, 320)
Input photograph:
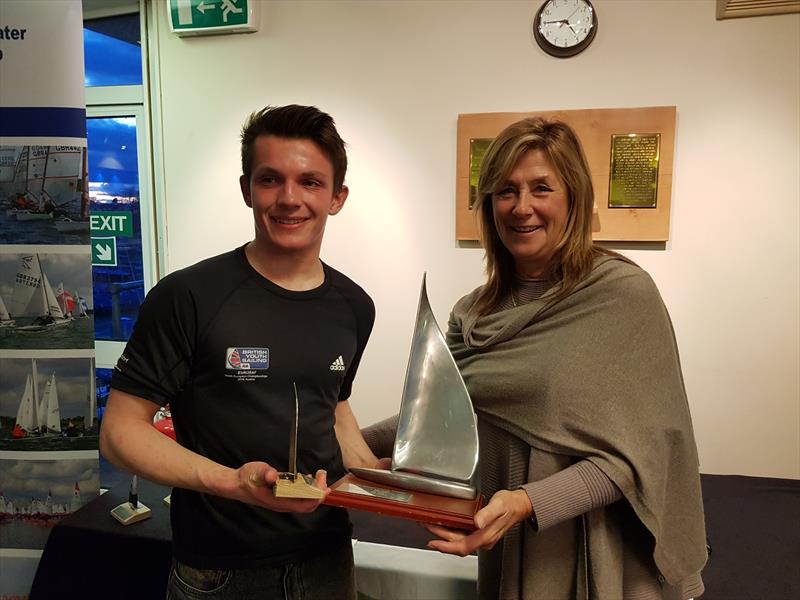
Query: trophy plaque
point(435, 456)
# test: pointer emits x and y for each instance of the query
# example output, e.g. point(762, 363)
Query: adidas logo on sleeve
point(338, 364)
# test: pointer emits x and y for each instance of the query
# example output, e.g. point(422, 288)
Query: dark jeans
point(326, 577)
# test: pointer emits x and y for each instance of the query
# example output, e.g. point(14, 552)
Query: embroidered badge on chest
point(247, 359)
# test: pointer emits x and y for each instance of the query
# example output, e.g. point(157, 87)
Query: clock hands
point(561, 23)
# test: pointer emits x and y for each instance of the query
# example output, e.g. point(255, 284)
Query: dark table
point(753, 525)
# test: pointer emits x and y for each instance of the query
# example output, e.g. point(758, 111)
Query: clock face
point(565, 27)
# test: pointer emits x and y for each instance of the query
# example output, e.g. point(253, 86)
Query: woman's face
point(530, 213)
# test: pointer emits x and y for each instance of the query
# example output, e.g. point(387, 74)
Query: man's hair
point(575, 252)
point(296, 122)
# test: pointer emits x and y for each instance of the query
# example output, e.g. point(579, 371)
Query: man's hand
point(505, 510)
point(255, 482)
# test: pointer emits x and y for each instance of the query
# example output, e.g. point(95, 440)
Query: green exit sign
point(208, 17)
point(118, 223)
point(104, 251)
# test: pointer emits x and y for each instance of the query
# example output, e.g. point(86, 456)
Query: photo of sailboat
point(36, 492)
point(48, 404)
point(46, 316)
point(44, 195)
point(33, 291)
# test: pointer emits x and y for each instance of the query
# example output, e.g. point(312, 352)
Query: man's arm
point(129, 440)
point(355, 452)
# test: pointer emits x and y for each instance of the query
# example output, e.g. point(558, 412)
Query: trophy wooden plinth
point(127, 514)
point(291, 485)
point(359, 494)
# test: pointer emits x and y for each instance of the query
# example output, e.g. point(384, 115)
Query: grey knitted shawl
point(596, 376)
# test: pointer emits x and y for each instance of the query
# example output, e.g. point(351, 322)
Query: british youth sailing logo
point(246, 359)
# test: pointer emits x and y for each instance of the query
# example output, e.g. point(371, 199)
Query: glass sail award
point(435, 453)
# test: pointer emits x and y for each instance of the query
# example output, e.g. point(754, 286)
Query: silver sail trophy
point(436, 446)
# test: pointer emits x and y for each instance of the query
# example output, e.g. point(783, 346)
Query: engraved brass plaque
point(634, 170)
point(477, 150)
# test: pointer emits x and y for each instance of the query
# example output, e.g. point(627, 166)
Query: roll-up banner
point(48, 423)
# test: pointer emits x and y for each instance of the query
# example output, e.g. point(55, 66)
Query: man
point(225, 342)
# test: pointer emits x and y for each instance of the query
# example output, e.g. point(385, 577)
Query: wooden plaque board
point(419, 506)
point(595, 128)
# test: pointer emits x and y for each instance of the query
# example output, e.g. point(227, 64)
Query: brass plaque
point(634, 170)
point(477, 150)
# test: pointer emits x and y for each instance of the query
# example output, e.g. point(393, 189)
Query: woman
point(587, 451)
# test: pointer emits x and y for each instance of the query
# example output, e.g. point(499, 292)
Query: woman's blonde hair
point(575, 252)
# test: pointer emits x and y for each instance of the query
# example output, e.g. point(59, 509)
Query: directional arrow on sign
point(203, 7)
point(103, 252)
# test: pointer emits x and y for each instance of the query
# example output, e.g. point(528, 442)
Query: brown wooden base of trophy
point(299, 486)
point(359, 494)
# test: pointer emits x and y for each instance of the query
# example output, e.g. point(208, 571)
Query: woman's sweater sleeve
point(380, 436)
point(578, 489)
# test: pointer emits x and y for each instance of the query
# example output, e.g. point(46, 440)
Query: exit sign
point(208, 17)
point(117, 223)
point(104, 251)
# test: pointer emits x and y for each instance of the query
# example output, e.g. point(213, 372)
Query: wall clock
point(563, 28)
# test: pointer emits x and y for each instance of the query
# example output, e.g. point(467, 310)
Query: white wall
point(395, 75)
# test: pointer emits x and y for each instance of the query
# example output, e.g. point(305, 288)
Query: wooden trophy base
point(289, 485)
point(126, 514)
point(359, 494)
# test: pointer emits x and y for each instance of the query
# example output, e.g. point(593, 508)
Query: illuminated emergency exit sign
point(209, 17)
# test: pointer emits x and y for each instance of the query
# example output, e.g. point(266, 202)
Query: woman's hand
point(505, 510)
point(384, 463)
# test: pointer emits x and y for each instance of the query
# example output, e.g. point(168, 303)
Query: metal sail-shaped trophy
point(436, 446)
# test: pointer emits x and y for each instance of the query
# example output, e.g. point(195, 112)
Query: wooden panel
point(732, 9)
point(594, 128)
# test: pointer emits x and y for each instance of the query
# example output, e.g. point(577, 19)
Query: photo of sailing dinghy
point(42, 304)
point(46, 315)
point(44, 195)
point(48, 404)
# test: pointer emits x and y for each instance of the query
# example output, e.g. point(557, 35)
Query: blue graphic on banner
point(39, 122)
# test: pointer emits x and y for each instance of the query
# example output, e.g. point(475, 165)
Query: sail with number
point(37, 171)
point(26, 281)
point(13, 170)
point(43, 302)
point(34, 296)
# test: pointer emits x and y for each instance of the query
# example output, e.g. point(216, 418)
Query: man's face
point(291, 193)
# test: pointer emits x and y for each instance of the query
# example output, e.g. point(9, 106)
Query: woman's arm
point(380, 436)
point(578, 489)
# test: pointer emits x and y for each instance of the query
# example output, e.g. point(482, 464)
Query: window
point(114, 192)
point(120, 188)
point(112, 51)
point(120, 179)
